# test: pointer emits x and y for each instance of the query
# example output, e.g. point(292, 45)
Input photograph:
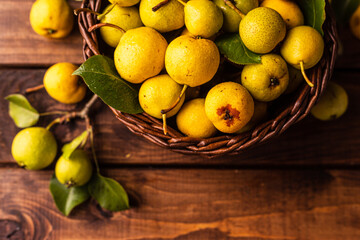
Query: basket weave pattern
point(151, 128)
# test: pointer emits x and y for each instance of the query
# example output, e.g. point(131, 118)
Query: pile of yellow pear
point(170, 72)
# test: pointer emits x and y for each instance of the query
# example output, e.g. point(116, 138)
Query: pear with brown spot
point(229, 106)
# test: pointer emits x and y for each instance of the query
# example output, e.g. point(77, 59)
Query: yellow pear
point(288, 10)
point(62, 86)
point(167, 18)
point(267, 80)
point(158, 93)
point(34, 148)
point(75, 170)
point(192, 61)
point(262, 29)
point(51, 18)
point(229, 106)
point(303, 48)
point(355, 23)
point(140, 54)
point(203, 18)
point(231, 18)
point(192, 120)
point(124, 17)
point(332, 104)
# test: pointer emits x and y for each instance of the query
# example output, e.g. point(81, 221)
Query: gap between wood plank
point(172, 166)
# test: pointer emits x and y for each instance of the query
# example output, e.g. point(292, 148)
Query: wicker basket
point(295, 110)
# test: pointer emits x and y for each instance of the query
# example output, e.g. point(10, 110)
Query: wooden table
point(304, 184)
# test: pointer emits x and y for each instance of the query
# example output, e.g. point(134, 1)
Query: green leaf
point(109, 193)
point(67, 198)
point(344, 9)
point(232, 47)
point(100, 75)
point(21, 111)
point(314, 13)
point(69, 148)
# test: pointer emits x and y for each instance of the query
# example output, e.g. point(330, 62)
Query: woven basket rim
point(151, 128)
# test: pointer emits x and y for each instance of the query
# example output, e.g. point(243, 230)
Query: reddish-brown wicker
point(151, 128)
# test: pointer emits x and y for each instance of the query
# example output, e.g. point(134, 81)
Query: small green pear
point(75, 170)
point(34, 148)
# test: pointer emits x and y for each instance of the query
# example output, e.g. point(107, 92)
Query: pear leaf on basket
point(108, 193)
point(69, 148)
point(234, 50)
point(67, 198)
point(21, 111)
point(314, 13)
point(100, 75)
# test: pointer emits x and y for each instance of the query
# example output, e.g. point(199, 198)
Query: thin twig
point(34, 89)
point(86, 109)
point(176, 102)
point(99, 25)
point(160, 5)
point(80, 114)
point(53, 113)
point(93, 150)
point(79, 10)
point(233, 7)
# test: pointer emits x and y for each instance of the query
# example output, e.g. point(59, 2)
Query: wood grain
point(20, 45)
point(303, 144)
point(349, 49)
point(192, 204)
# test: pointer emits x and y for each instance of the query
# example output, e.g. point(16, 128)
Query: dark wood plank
point(192, 204)
point(310, 142)
point(20, 45)
point(349, 49)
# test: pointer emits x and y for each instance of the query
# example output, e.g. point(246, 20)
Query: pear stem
point(100, 16)
point(99, 25)
point(34, 89)
point(57, 120)
point(53, 113)
point(176, 102)
point(304, 74)
point(51, 31)
point(164, 123)
point(233, 7)
point(93, 149)
point(160, 5)
point(79, 10)
point(182, 2)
